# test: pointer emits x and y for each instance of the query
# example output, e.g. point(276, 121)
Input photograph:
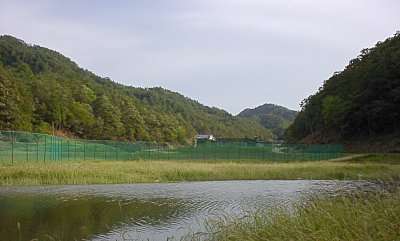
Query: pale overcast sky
point(230, 54)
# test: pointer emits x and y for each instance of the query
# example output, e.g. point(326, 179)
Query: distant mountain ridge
point(42, 90)
point(273, 117)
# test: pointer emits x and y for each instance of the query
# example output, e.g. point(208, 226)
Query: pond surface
point(144, 211)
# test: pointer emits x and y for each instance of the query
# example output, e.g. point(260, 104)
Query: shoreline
point(202, 181)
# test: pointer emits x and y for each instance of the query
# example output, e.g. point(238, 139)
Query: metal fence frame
point(16, 147)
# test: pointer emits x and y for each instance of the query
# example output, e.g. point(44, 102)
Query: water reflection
point(143, 211)
point(53, 218)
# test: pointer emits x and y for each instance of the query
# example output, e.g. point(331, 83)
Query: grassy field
point(372, 167)
point(372, 217)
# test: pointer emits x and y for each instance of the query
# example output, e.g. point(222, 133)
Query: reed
point(113, 172)
point(372, 217)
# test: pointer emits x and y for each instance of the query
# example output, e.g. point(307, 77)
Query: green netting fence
point(18, 147)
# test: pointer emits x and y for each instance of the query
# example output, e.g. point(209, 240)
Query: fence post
point(167, 152)
point(45, 145)
point(68, 149)
point(117, 153)
point(12, 147)
point(263, 153)
point(75, 150)
point(60, 151)
point(158, 151)
point(215, 151)
point(51, 149)
point(147, 152)
point(84, 151)
point(56, 146)
point(51, 156)
point(105, 152)
point(37, 150)
point(27, 149)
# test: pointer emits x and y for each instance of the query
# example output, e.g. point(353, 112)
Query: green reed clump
point(368, 217)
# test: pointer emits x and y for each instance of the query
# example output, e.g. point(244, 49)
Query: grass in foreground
point(365, 218)
point(112, 172)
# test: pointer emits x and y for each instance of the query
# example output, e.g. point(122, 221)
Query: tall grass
point(373, 217)
point(112, 172)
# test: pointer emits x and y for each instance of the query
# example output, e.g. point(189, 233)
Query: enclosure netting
point(32, 147)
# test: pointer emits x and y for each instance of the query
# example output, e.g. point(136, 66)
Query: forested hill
point(360, 103)
point(41, 90)
point(273, 117)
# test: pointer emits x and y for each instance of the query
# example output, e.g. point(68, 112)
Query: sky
point(231, 54)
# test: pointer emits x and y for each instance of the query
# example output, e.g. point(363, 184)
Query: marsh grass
point(367, 217)
point(114, 172)
point(392, 158)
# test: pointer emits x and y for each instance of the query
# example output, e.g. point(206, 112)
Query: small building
point(205, 137)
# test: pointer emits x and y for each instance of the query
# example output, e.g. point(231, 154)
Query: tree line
point(362, 101)
point(42, 91)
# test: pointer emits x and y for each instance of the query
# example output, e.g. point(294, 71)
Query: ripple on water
point(146, 211)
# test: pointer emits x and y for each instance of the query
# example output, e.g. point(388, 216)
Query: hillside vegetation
point(362, 102)
point(41, 90)
point(273, 117)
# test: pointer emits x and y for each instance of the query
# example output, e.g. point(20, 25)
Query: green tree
point(9, 102)
point(333, 110)
point(134, 126)
point(110, 117)
point(81, 118)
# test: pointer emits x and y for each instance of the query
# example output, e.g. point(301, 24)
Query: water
point(144, 211)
